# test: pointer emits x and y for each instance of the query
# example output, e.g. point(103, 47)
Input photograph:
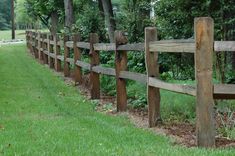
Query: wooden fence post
point(66, 55)
point(120, 65)
point(45, 57)
point(31, 41)
point(39, 46)
point(57, 52)
point(27, 39)
point(36, 45)
point(77, 56)
point(152, 68)
point(204, 38)
point(95, 60)
point(50, 51)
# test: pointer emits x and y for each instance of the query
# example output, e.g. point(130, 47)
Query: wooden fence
point(47, 48)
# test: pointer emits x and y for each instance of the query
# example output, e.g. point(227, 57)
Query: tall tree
point(48, 11)
point(13, 19)
point(69, 17)
point(109, 18)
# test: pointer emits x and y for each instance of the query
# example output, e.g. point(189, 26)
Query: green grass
point(6, 34)
point(20, 34)
point(40, 115)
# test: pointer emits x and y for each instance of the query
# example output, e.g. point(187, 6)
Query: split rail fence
point(47, 48)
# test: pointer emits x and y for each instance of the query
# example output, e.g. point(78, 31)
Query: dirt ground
point(180, 133)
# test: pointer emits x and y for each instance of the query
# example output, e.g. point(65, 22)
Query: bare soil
point(179, 133)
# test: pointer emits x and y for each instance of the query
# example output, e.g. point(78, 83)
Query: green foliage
point(133, 17)
point(88, 19)
point(42, 10)
point(5, 14)
point(22, 17)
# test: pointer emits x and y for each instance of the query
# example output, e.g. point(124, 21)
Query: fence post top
point(94, 38)
point(120, 38)
point(150, 28)
point(76, 37)
point(209, 19)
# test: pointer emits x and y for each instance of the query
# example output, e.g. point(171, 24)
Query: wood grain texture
point(45, 49)
point(152, 67)
point(205, 125)
point(142, 78)
point(84, 65)
point(104, 46)
point(50, 50)
point(224, 46)
point(60, 57)
point(104, 70)
point(66, 55)
point(224, 91)
point(83, 45)
point(77, 56)
point(69, 44)
point(187, 46)
point(179, 88)
point(120, 65)
point(132, 47)
point(70, 60)
point(57, 53)
point(94, 61)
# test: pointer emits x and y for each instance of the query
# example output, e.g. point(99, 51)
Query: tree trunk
point(109, 18)
point(13, 19)
point(233, 61)
point(54, 23)
point(101, 9)
point(69, 19)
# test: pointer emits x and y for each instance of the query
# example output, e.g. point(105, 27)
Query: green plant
point(227, 122)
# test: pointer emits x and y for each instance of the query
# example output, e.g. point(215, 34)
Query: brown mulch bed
point(180, 133)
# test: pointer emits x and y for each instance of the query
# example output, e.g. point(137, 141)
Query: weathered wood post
point(120, 65)
point(50, 51)
point(45, 57)
point(77, 56)
point(204, 39)
point(152, 68)
point(94, 61)
point(39, 46)
point(66, 55)
point(57, 52)
point(27, 39)
point(33, 44)
point(31, 41)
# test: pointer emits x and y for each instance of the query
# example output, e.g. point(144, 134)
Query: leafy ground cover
point(41, 115)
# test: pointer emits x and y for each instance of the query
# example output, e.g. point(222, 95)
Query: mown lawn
point(40, 115)
point(6, 34)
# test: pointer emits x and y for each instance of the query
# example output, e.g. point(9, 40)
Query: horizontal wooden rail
point(52, 42)
point(84, 45)
point(60, 43)
point(104, 70)
point(224, 91)
point(175, 46)
point(224, 46)
point(179, 88)
point(131, 47)
point(70, 60)
point(83, 65)
point(45, 52)
point(142, 78)
point(125, 47)
point(52, 55)
point(60, 57)
point(69, 44)
point(104, 46)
